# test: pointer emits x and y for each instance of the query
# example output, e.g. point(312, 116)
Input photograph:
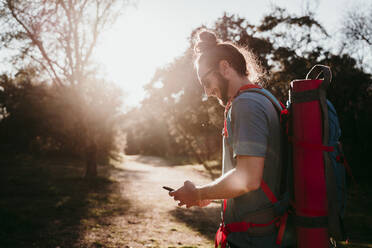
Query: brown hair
point(209, 50)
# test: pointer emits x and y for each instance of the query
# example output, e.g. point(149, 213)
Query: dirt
point(153, 218)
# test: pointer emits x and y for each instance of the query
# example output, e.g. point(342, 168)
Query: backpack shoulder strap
point(278, 106)
point(282, 111)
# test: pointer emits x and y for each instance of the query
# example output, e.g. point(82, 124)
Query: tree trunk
point(91, 161)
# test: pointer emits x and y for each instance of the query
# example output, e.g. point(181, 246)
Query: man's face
point(214, 84)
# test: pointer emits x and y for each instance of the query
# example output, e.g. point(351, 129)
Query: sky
point(153, 33)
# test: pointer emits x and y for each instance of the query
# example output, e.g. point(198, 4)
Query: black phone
point(168, 188)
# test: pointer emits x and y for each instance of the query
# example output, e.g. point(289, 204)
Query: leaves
point(286, 47)
point(41, 118)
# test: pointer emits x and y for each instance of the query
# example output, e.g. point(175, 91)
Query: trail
point(154, 219)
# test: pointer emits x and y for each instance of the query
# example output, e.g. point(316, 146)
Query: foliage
point(58, 37)
point(286, 47)
point(46, 203)
point(357, 34)
point(181, 123)
point(44, 119)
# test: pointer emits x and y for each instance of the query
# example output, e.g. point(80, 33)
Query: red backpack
point(312, 183)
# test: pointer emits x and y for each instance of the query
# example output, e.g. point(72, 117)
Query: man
point(251, 145)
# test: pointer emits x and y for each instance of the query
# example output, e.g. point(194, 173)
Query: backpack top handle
point(317, 70)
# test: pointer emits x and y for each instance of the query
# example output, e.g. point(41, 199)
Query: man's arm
point(245, 177)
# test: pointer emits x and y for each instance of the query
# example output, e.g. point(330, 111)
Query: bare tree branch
point(65, 32)
point(67, 40)
point(35, 42)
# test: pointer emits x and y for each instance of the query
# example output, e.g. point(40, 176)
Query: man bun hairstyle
point(206, 41)
point(210, 51)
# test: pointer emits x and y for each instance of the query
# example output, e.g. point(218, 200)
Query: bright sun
point(132, 50)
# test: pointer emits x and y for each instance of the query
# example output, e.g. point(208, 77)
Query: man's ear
point(224, 67)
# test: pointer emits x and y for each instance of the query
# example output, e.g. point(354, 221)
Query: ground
point(48, 203)
point(154, 219)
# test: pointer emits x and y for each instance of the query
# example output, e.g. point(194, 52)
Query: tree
point(286, 47)
point(357, 34)
point(59, 37)
point(21, 108)
point(195, 125)
point(174, 120)
point(34, 119)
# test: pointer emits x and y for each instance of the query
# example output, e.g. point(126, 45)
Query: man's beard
point(223, 84)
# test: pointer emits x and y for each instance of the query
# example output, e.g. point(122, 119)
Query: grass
point(47, 203)
point(358, 215)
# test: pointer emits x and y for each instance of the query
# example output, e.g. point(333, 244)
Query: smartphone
point(168, 188)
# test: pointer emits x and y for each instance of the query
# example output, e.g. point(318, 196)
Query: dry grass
point(46, 203)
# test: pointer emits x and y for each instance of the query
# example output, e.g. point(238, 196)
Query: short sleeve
point(250, 126)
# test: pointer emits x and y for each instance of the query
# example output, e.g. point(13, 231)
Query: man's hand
point(204, 203)
point(188, 195)
point(245, 177)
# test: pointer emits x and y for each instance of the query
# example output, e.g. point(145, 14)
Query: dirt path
point(154, 219)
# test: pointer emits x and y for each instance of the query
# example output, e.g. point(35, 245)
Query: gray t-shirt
point(253, 129)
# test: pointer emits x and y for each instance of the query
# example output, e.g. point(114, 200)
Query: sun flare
point(131, 52)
